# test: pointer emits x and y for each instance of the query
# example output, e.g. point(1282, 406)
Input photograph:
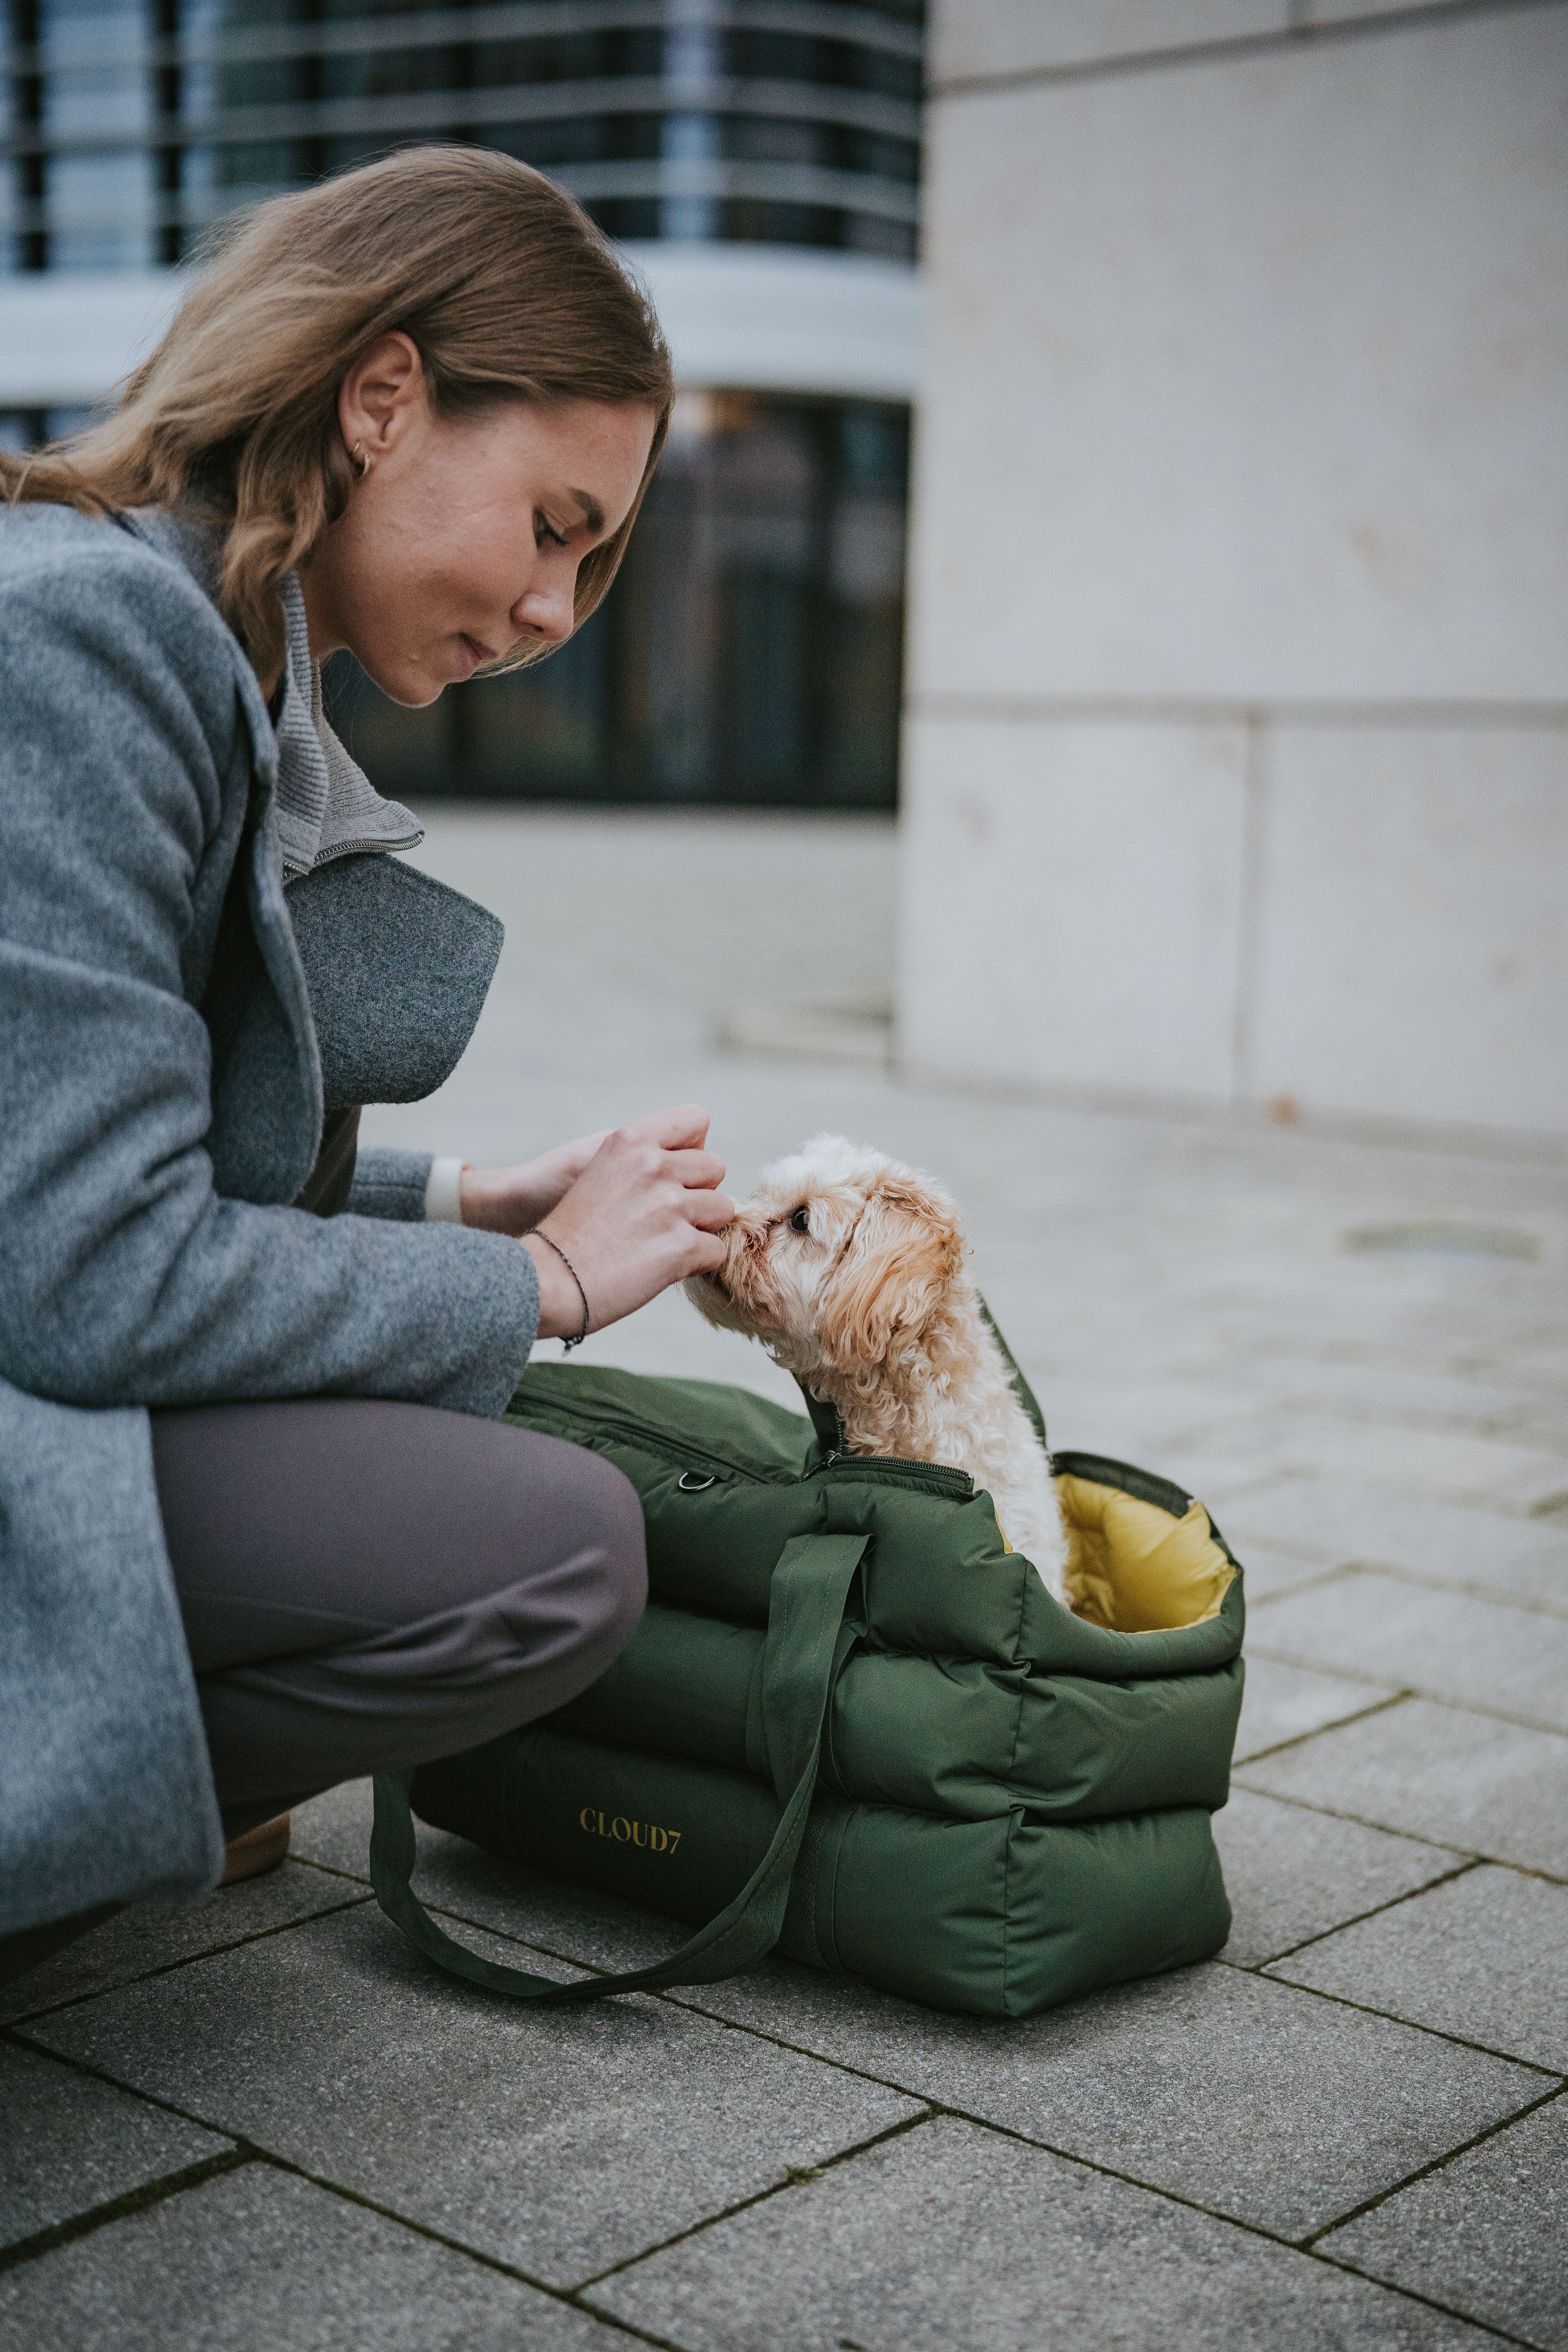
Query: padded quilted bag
point(854, 1724)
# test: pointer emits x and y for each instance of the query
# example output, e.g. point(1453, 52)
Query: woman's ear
point(908, 1251)
point(381, 394)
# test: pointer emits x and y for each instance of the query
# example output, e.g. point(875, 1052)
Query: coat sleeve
point(390, 1183)
point(124, 1277)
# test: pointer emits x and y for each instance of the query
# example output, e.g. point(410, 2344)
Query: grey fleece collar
point(326, 805)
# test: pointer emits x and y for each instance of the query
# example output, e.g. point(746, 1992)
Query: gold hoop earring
point(358, 460)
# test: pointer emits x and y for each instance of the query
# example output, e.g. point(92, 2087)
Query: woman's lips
point(474, 653)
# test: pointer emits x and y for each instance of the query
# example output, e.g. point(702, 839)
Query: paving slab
point(1544, 1422)
point(1517, 1478)
point(1292, 1873)
point(1467, 1781)
point(1337, 1522)
point(1485, 1956)
point(1135, 1417)
point(1445, 1644)
point(1437, 1314)
point(70, 2143)
point(1217, 1474)
point(950, 2239)
point(1427, 1462)
point(1270, 1568)
point(1540, 1356)
point(560, 2141)
point(1439, 1399)
point(258, 2261)
point(1486, 2234)
point(1282, 1701)
point(144, 1940)
point(1286, 2114)
point(334, 1831)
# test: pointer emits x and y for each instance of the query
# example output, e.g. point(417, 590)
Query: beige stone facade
point(1236, 761)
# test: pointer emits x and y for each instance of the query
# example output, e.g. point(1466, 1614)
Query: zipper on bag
point(654, 1441)
point(938, 1477)
point(941, 1477)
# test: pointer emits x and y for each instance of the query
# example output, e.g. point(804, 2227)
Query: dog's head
point(838, 1260)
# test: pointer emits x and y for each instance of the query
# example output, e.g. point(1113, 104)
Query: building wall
point(1237, 753)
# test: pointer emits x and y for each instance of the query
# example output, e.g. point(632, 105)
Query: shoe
point(262, 1848)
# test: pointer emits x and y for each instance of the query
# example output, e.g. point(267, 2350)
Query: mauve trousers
point(366, 1585)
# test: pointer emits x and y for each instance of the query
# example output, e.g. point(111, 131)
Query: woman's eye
point(801, 1221)
point(543, 531)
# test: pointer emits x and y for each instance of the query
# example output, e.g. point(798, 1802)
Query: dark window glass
point(134, 124)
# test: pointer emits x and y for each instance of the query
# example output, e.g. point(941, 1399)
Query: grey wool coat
point(172, 1030)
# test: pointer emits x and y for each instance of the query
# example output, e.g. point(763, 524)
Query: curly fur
point(848, 1268)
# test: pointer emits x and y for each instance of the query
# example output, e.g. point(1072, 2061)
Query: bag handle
point(1021, 1389)
point(808, 1643)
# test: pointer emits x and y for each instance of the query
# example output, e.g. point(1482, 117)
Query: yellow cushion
point(1132, 1568)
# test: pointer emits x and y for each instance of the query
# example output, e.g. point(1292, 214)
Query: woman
point(260, 1528)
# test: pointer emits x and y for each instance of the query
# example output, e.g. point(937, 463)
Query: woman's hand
point(646, 1211)
point(514, 1200)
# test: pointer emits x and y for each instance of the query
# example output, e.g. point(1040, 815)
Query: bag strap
point(808, 1643)
point(1021, 1389)
point(824, 1420)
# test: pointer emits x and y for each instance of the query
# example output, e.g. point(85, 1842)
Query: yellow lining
point(1132, 1568)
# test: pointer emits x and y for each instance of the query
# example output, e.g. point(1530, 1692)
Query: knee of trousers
point(507, 1653)
point(545, 1639)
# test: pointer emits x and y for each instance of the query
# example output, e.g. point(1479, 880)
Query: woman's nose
point(546, 612)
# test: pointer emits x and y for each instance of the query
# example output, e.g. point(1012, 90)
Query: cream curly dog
point(848, 1267)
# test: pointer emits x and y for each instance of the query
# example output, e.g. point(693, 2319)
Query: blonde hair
point(506, 287)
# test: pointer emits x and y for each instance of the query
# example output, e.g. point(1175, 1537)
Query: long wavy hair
point(504, 284)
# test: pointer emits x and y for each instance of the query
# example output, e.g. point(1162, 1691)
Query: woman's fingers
point(710, 1212)
point(682, 1128)
point(699, 1170)
point(646, 1211)
point(708, 1254)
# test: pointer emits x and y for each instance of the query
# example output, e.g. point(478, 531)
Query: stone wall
point(1236, 761)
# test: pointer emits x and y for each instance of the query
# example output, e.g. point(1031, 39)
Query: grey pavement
point(957, 2239)
point(1438, 1772)
point(1470, 2235)
point(1455, 1956)
point(258, 2256)
point(1281, 1702)
point(1294, 1872)
point(266, 2124)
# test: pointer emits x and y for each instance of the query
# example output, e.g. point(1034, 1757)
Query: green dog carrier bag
point(853, 1725)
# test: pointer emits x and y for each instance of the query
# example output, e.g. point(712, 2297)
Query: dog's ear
point(907, 1250)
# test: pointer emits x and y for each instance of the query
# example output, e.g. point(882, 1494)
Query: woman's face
point(464, 536)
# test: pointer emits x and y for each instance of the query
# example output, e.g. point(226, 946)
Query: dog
point(848, 1268)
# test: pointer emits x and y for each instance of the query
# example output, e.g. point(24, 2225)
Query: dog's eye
point(800, 1221)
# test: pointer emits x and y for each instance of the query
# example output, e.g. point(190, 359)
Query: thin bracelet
point(539, 1234)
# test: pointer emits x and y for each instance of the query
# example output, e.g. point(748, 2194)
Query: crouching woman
point(261, 1526)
